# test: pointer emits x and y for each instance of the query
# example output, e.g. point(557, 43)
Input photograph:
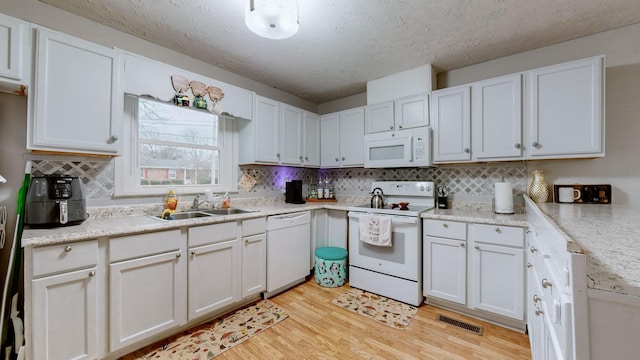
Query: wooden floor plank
point(318, 329)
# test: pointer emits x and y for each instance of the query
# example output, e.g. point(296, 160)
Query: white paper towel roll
point(504, 198)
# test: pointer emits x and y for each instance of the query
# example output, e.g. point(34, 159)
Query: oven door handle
point(394, 219)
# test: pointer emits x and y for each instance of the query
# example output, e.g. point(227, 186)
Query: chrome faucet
point(196, 202)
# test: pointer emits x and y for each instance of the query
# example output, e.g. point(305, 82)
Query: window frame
point(127, 173)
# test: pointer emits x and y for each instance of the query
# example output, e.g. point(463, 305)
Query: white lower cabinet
point(497, 265)
point(478, 266)
point(62, 302)
point(214, 267)
point(254, 257)
point(147, 287)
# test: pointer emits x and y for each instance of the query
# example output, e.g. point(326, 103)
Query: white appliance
point(395, 271)
point(288, 250)
point(403, 148)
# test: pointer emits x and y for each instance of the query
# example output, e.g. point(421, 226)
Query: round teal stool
point(331, 266)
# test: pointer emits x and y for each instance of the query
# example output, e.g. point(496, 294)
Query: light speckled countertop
point(610, 237)
point(127, 220)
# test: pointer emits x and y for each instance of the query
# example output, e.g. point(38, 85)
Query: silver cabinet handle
point(67, 248)
point(445, 225)
point(536, 298)
point(337, 159)
point(193, 252)
point(546, 283)
point(529, 265)
point(391, 127)
point(498, 230)
point(92, 273)
point(278, 155)
point(178, 255)
point(533, 249)
point(306, 158)
point(462, 245)
point(400, 126)
point(477, 247)
point(539, 312)
point(535, 144)
point(467, 150)
point(517, 146)
point(301, 157)
point(113, 138)
point(343, 158)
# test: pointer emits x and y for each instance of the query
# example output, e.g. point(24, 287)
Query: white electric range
point(393, 271)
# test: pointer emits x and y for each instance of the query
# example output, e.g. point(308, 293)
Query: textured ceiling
point(342, 44)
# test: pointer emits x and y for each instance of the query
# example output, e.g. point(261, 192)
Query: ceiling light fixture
point(272, 19)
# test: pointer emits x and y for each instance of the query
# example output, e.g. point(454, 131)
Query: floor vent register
point(461, 324)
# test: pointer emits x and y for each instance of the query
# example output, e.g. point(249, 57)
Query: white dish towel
point(375, 230)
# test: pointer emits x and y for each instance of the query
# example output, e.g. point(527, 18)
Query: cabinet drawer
point(498, 235)
point(445, 229)
point(64, 257)
point(128, 247)
point(211, 234)
point(254, 226)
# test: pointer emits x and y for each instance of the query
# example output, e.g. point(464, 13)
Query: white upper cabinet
point(412, 111)
point(77, 102)
point(267, 130)
point(565, 110)
point(352, 137)
point(280, 134)
point(342, 137)
point(14, 50)
point(291, 128)
point(142, 76)
point(496, 119)
point(405, 113)
point(451, 114)
point(311, 139)
point(380, 117)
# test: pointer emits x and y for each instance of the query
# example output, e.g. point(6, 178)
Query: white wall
point(54, 18)
point(620, 167)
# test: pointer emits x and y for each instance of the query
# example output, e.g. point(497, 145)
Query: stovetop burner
point(404, 198)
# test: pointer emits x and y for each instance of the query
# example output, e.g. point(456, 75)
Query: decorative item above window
point(199, 89)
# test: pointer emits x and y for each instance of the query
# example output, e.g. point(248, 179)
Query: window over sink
point(165, 145)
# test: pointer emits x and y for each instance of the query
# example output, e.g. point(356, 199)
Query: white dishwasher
point(288, 250)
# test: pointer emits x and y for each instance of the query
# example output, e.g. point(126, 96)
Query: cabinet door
point(267, 130)
point(445, 268)
point(254, 264)
point(78, 105)
point(451, 124)
point(498, 278)
point(65, 315)
point(14, 43)
point(214, 277)
point(565, 110)
point(496, 122)
point(330, 141)
point(411, 112)
point(311, 142)
point(291, 139)
point(352, 137)
point(380, 117)
point(147, 296)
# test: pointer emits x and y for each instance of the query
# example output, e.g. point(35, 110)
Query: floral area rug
point(210, 339)
point(387, 311)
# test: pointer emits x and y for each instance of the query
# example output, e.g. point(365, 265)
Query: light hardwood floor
point(318, 329)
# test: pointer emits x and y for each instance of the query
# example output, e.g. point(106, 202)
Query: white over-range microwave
point(403, 148)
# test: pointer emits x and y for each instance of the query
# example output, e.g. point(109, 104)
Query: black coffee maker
point(293, 192)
